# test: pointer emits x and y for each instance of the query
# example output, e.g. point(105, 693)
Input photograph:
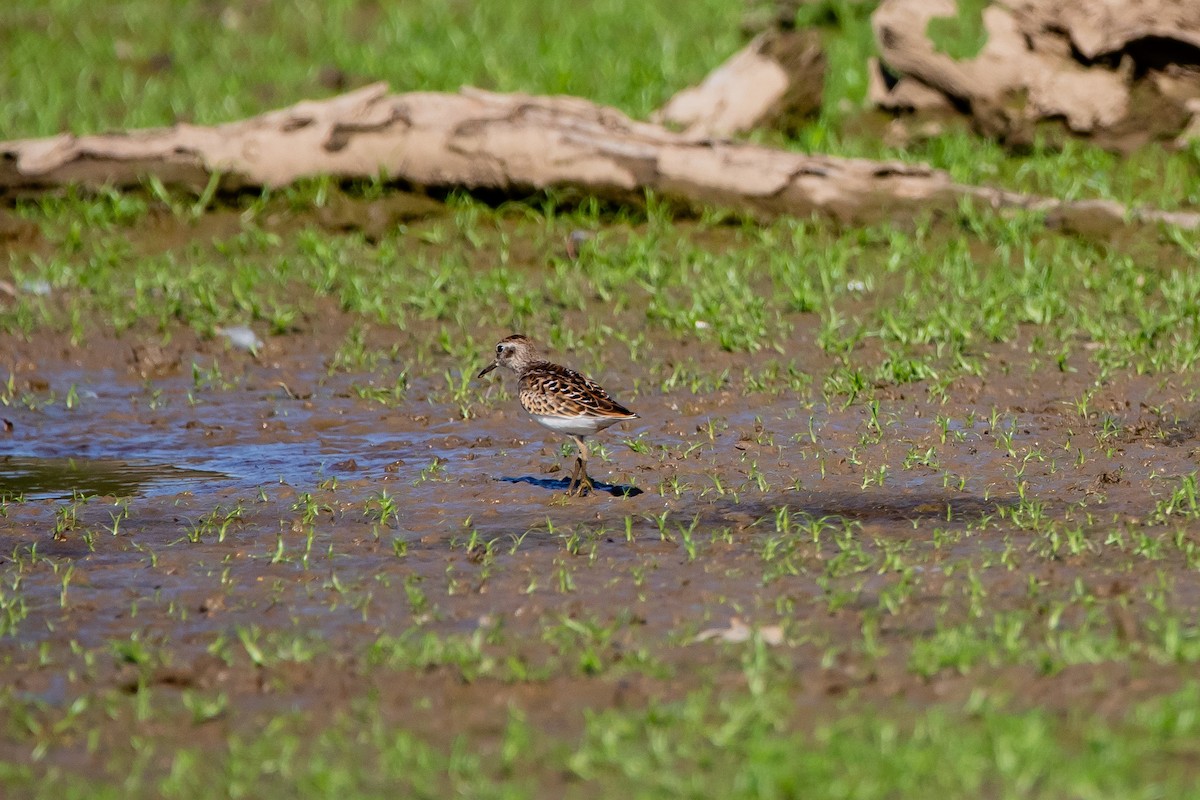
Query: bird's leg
point(571, 484)
point(584, 483)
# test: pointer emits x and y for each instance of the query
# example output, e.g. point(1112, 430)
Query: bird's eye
point(499, 349)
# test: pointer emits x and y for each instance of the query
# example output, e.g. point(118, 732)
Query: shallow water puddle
point(124, 440)
point(53, 478)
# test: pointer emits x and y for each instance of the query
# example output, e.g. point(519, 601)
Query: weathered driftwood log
point(513, 144)
point(1122, 72)
point(775, 81)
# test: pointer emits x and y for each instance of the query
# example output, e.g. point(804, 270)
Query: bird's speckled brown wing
point(551, 390)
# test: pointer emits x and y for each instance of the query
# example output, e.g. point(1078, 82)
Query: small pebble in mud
point(36, 288)
point(211, 605)
point(241, 338)
point(151, 359)
point(575, 243)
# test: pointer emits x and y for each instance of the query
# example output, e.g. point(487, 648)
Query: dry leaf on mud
point(739, 631)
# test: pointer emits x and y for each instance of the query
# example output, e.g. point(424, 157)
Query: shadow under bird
point(559, 398)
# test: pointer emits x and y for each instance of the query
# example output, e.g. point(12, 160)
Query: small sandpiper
point(560, 399)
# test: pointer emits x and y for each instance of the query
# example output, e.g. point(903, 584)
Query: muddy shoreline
point(290, 530)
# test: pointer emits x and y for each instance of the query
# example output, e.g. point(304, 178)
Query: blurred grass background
point(85, 67)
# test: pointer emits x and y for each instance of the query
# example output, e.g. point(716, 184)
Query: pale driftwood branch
point(775, 81)
point(511, 144)
point(1006, 65)
point(1083, 62)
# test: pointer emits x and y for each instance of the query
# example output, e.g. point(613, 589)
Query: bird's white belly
point(575, 426)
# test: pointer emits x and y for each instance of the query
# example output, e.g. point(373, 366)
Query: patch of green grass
point(737, 745)
point(962, 36)
point(845, 27)
point(734, 748)
point(70, 65)
point(923, 299)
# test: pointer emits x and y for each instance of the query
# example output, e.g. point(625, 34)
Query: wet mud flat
point(245, 540)
point(269, 550)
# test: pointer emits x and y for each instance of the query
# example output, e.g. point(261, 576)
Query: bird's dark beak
point(486, 370)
